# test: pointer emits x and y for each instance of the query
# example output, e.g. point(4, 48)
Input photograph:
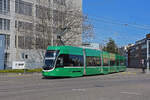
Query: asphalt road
point(119, 86)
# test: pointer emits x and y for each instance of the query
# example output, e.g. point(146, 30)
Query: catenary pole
point(147, 71)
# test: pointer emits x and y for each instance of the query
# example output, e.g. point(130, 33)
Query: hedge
point(21, 70)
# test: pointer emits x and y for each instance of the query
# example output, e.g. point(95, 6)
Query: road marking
point(82, 90)
point(131, 93)
point(17, 75)
point(129, 73)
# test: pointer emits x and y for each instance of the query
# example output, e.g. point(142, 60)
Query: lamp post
point(147, 70)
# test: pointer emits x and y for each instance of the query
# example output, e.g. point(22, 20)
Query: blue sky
point(126, 21)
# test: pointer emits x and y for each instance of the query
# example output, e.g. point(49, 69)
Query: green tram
point(68, 61)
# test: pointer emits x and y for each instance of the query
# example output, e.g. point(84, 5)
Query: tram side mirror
point(59, 62)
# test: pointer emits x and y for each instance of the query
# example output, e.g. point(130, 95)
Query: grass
point(21, 70)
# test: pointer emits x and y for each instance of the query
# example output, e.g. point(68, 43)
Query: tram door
point(2, 51)
point(84, 56)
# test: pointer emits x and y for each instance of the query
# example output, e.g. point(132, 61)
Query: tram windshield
point(50, 58)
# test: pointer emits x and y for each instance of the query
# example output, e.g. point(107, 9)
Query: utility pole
point(17, 42)
point(147, 70)
point(52, 25)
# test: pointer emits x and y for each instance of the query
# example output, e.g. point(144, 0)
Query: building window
point(59, 16)
point(28, 42)
point(6, 63)
point(16, 24)
point(41, 43)
point(22, 55)
point(4, 24)
point(7, 41)
point(1, 6)
point(4, 6)
point(137, 48)
point(42, 12)
point(40, 28)
point(21, 42)
point(24, 8)
point(1, 23)
point(143, 46)
point(25, 42)
point(132, 50)
point(60, 2)
point(24, 25)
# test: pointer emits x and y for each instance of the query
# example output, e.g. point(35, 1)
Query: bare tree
point(75, 26)
point(54, 23)
point(42, 27)
point(88, 32)
point(64, 25)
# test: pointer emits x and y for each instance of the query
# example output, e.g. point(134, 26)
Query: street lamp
point(147, 70)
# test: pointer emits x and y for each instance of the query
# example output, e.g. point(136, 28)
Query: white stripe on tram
point(81, 67)
point(73, 67)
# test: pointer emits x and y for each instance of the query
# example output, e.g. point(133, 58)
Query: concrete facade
point(23, 40)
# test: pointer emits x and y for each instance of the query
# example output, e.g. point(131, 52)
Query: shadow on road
point(50, 77)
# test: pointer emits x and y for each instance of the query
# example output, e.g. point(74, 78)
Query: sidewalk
point(128, 72)
point(19, 74)
point(135, 70)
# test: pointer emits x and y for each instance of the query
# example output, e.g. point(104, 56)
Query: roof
point(67, 49)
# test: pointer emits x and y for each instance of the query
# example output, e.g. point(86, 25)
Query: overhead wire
point(137, 26)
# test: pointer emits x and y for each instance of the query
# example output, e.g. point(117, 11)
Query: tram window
point(118, 62)
point(105, 62)
point(76, 60)
point(112, 59)
point(122, 62)
point(51, 53)
point(93, 61)
point(59, 62)
point(69, 60)
point(112, 63)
